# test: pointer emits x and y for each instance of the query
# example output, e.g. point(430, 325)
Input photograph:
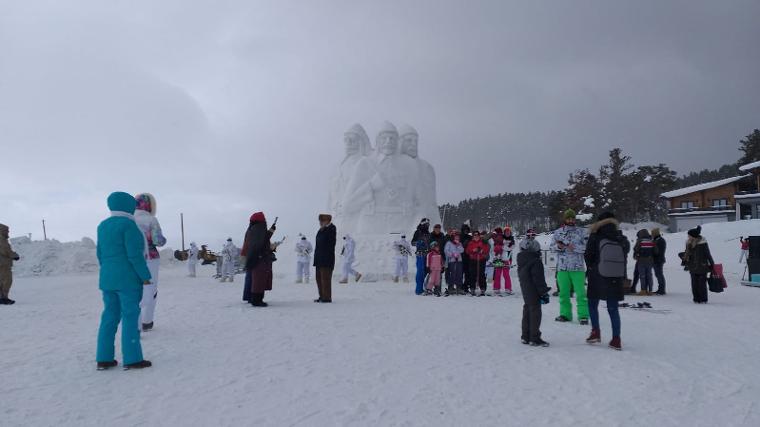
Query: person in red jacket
point(477, 251)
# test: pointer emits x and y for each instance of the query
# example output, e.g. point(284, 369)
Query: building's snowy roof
point(702, 187)
point(705, 213)
point(749, 166)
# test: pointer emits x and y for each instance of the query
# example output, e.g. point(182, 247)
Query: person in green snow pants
point(569, 242)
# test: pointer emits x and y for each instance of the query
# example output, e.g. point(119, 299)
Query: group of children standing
point(462, 259)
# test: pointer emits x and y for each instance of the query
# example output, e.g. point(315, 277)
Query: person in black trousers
point(324, 257)
point(699, 262)
point(659, 260)
point(534, 289)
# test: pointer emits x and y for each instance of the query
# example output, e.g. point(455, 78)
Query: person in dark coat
point(644, 253)
point(601, 284)
point(534, 289)
point(699, 262)
point(259, 258)
point(324, 257)
point(661, 247)
point(421, 243)
point(465, 236)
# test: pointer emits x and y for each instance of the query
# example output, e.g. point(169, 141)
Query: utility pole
point(44, 231)
point(182, 226)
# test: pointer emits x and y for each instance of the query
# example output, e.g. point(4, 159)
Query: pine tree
point(750, 146)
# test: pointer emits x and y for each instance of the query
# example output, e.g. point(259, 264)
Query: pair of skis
point(643, 306)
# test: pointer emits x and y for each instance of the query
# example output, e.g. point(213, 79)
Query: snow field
point(377, 356)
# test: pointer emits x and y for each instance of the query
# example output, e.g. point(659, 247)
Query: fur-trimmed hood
point(146, 202)
point(599, 224)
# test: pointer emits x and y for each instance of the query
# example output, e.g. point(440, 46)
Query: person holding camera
point(7, 256)
point(259, 258)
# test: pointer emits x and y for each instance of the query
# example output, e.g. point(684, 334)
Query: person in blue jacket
point(121, 252)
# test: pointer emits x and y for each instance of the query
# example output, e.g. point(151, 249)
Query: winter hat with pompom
point(569, 214)
point(695, 232)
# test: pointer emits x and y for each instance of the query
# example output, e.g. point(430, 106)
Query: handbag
point(715, 283)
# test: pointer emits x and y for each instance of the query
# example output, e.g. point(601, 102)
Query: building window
point(687, 205)
point(720, 203)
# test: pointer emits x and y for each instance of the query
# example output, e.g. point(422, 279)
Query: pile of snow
point(54, 258)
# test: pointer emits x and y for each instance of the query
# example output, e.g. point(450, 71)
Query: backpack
point(611, 259)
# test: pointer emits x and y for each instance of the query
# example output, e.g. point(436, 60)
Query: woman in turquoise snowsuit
point(123, 272)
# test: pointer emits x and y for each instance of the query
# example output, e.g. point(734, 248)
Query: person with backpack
point(606, 258)
point(661, 247)
point(699, 262)
point(569, 242)
point(534, 289)
point(644, 252)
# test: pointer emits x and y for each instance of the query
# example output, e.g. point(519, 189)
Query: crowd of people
point(591, 265)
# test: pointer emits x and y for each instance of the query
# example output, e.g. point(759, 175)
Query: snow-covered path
point(377, 356)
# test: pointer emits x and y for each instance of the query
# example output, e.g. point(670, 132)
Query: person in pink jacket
point(434, 267)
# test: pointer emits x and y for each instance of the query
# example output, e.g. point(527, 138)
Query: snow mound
point(51, 257)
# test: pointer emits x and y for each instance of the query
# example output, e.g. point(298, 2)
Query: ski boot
point(437, 291)
point(147, 326)
point(139, 365)
point(562, 319)
point(428, 292)
point(583, 321)
point(539, 343)
point(524, 341)
point(595, 337)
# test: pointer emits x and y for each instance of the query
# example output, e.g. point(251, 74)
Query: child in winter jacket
point(434, 267)
point(644, 253)
point(534, 289)
point(501, 259)
point(454, 250)
point(477, 251)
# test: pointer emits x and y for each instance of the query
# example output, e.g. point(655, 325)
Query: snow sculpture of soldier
point(303, 264)
point(425, 198)
point(192, 259)
point(403, 250)
point(357, 145)
point(381, 192)
point(230, 254)
point(349, 256)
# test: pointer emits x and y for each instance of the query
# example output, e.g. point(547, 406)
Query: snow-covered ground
point(381, 356)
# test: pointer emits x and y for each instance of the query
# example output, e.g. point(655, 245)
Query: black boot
point(139, 365)
point(102, 366)
point(147, 326)
point(257, 300)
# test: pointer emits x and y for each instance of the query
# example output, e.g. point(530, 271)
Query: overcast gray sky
point(224, 107)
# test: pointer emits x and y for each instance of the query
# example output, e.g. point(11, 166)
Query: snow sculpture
point(376, 195)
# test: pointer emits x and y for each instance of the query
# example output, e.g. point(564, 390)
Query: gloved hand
point(16, 258)
point(544, 299)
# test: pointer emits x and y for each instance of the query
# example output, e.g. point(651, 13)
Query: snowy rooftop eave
point(749, 166)
point(702, 187)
